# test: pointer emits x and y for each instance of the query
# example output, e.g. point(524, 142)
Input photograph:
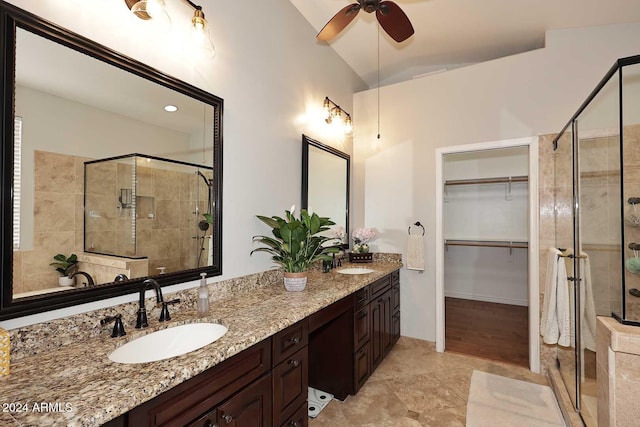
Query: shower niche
point(145, 207)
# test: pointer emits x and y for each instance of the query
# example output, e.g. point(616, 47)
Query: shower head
point(207, 181)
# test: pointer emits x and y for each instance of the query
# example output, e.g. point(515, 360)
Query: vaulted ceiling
point(455, 33)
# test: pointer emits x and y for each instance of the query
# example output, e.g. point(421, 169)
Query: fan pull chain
point(378, 86)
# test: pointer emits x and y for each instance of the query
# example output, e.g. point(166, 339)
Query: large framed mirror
point(104, 158)
point(325, 183)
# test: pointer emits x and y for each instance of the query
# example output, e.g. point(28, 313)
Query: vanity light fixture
point(334, 112)
point(156, 9)
point(170, 108)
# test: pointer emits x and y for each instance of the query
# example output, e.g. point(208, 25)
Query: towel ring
point(417, 224)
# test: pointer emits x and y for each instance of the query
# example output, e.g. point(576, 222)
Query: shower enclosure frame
point(576, 280)
point(198, 167)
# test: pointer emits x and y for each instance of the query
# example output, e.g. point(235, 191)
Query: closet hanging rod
point(497, 180)
point(488, 243)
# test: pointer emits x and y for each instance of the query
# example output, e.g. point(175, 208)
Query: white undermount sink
point(170, 342)
point(355, 270)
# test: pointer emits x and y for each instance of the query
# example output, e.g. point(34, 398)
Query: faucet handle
point(141, 321)
point(118, 327)
point(164, 313)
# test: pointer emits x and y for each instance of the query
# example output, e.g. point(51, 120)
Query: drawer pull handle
point(294, 340)
point(294, 423)
point(210, 423)
point(227, 418)
point(294, 363)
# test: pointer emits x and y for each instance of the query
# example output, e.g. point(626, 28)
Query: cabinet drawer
point(299, 419)
point(190, 400)
point(361, 326)
point(361, 297)
point(290, 340)
point(379, 287)
point(290, 386)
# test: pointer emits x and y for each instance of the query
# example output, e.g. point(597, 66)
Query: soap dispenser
point(203, 296)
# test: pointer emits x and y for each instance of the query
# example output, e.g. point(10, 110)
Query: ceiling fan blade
point(338, 22)
point(394, 21)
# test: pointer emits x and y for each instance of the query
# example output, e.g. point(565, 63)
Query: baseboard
point(484, 298)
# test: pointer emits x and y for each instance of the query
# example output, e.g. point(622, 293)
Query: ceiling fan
point(391, 18)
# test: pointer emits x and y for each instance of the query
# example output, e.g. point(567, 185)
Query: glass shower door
point(598, 244)
point(564, 239)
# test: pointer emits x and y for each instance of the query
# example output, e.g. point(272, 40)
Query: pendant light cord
point(378, 86)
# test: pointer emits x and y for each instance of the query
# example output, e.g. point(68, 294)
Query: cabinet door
point(381, 333)
point(395, 297)
point(361, 327)
point(299, 419)
point(362, 363)
point(395, 327)
point(251, 407)
point(377, 332)
point(290, 386)
point(387, 338)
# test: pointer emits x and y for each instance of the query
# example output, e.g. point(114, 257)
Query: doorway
point(486, 251)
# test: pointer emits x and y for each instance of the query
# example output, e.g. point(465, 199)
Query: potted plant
point(65, 267)
point(296, 244)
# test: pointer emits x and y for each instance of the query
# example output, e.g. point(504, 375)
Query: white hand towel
point(555, 322)
point(415, 252)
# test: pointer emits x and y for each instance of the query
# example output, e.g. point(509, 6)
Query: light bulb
point(154, 12)
point(348, 125)
point(201, 39)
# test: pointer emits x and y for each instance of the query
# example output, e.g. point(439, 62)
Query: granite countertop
point(77, 385)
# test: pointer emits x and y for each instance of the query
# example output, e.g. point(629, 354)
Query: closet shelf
point(509, 244)
point(497, 180)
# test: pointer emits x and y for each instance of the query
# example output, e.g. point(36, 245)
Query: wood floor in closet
point(484, 329)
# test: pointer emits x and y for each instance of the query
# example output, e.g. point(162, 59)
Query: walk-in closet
point(486, 231)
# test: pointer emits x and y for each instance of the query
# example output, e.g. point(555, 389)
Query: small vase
point(295, 282)
point(66, 281)
point(364, 249)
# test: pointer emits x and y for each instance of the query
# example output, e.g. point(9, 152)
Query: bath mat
point(317, 400)
point(499, 401)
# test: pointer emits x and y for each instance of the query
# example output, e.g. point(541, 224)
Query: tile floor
point(415, 386)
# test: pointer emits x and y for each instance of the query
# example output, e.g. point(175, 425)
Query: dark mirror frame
point(306, 143)
point(12, 17)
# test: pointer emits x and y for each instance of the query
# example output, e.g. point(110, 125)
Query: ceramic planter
point(295, 282)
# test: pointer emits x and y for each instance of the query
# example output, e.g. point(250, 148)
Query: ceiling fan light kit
point(390, 16)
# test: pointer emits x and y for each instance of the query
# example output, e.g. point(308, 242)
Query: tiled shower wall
point(58, 220)
point(59, 217)
point(165, 228)
point(600, 216)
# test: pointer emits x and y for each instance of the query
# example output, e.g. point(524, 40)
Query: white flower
point(292, 209)
point(310, 211)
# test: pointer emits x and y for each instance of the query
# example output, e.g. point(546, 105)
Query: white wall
point(523, 95)
point(273, 77)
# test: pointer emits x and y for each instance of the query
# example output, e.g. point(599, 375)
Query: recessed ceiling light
point(170, 108)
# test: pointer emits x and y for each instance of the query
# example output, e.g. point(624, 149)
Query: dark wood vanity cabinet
point(335, 350)
point(231, 393)
point(376, 325)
